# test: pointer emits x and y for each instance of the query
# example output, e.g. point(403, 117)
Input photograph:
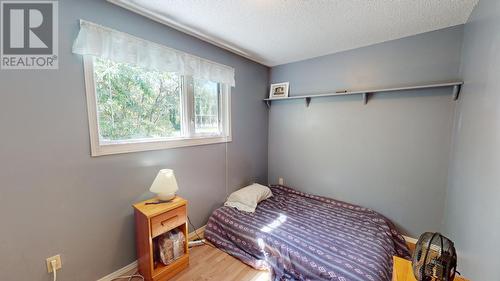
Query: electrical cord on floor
point(196, 233)
point(53, 264)
point(129, 277)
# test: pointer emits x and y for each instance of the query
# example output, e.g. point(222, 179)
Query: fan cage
point(434, 258)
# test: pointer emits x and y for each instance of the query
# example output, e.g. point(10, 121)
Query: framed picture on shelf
point(279, 90)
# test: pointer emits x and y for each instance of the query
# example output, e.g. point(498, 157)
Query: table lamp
point(165, 185)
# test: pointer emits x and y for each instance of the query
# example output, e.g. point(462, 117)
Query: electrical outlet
point(57, 258)
point(281, 181)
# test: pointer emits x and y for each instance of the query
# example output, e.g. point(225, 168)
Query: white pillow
point(247, 198)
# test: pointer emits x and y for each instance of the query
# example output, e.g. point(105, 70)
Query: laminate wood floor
point(209, 263)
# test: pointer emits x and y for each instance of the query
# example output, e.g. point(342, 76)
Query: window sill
point(109, 149)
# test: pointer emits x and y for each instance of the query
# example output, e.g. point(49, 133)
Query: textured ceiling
point(275, 32)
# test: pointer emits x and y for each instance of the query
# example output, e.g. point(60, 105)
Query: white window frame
point(189, 138)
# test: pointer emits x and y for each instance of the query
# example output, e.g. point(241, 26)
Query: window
point(206, 107)
point(135, 109)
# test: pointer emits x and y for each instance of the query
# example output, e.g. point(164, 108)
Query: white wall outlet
point(57, 258)
point(281, 181)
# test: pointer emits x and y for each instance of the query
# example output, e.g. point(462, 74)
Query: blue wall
point(391, 154)
point(55, 198)
point(472, 217)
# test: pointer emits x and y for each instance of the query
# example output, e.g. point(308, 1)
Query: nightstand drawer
point(168, 221)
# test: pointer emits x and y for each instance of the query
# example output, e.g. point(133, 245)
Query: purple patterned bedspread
point(306, 237)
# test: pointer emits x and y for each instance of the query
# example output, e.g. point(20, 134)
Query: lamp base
point(160, 201)
point(166, 197)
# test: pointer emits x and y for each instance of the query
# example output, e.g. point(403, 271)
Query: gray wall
point(55, 198)
point(391, 154)
point(472, 217)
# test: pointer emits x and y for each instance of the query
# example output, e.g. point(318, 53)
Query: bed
point(299, 236)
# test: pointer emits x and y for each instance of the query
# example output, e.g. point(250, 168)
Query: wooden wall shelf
point(456, 85)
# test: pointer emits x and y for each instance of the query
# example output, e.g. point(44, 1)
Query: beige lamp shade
point(165, 185)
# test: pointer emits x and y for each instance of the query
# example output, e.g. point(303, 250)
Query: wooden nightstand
point(402, 271)
point(152, 221)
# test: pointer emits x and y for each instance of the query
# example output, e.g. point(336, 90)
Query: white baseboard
point(131, 268)
point(127, 270)
point(198, 232)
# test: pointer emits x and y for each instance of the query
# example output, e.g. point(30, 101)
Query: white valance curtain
point(99, 41)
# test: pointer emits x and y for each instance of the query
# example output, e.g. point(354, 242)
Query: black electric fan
point(434, 258)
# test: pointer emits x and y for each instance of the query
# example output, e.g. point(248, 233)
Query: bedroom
point(408, 126)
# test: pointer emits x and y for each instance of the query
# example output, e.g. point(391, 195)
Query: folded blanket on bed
point(300, 236)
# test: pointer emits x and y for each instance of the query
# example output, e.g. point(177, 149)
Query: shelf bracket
point(456, 91)
point(308, 101)
point(268, 104)
point(365, 98)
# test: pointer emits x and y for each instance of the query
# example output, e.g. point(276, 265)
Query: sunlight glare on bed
point(275, 224)
point(261, 243)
